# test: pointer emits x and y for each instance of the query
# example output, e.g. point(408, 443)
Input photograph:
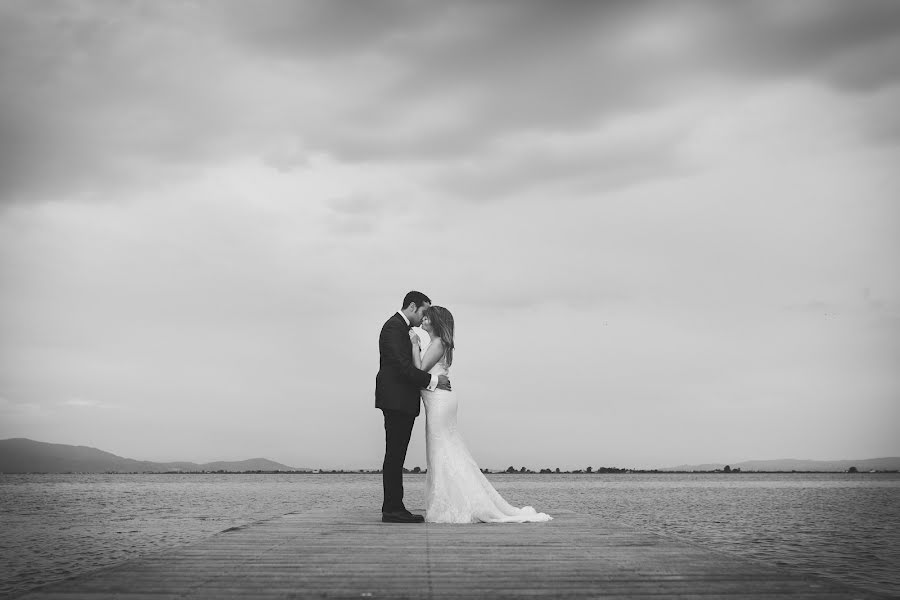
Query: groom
point(397, 388)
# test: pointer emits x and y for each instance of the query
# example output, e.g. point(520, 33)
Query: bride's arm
point(416, 351)
point(432, 355)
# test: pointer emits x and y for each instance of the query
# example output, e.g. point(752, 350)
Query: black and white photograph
point(449, 299)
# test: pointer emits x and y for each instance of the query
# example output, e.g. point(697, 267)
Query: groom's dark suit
point(397, 393)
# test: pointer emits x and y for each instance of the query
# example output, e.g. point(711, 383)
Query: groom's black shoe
point(401, 516)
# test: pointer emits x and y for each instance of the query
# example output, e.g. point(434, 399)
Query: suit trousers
point(398, 428)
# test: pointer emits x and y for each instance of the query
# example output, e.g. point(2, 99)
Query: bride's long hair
point(442, 324)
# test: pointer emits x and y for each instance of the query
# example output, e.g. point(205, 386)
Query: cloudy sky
point(668, 231)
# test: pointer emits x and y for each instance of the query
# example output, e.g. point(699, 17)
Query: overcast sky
point(668, 231)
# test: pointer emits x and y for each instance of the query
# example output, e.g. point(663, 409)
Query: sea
point(841, 526)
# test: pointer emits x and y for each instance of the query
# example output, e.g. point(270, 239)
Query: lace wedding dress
point(456, 491)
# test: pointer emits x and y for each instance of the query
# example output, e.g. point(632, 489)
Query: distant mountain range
point(891, 463)
point(21, 455)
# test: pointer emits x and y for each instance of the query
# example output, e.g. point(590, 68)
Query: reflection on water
point(841, 526)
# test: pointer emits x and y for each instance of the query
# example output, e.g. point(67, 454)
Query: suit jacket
point(399, 382)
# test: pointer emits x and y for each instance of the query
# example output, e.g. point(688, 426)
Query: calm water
point(841, 526)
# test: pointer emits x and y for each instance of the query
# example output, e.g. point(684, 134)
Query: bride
point(456, 491)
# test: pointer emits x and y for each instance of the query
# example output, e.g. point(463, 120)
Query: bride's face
point(426, 325)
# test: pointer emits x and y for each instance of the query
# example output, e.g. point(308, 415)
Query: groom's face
point(416, 318)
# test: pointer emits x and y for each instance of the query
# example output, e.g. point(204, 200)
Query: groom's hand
point(443, 383)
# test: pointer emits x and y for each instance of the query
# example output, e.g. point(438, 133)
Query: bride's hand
point(413, 337)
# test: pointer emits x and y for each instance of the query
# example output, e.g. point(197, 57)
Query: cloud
point(842, 45)
point(355, 214)
point(594, 160)
point(84, 403)
point(102, 94)
point(321, 29)
point(504, 70)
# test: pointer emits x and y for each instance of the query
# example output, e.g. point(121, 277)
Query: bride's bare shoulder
point(435, 347)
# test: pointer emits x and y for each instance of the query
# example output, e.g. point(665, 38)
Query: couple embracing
point(456, 491)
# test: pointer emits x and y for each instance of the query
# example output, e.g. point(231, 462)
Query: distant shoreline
point(486, 472)
point(22, 455)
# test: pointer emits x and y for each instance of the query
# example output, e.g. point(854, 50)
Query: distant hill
point(792, 464)
point(21, 455)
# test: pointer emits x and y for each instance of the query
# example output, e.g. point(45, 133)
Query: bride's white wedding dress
point(456, 491)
